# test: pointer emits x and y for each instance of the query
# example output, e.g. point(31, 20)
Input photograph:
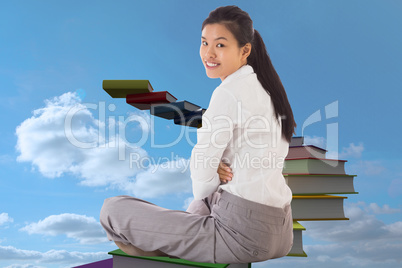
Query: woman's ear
point(246, 50)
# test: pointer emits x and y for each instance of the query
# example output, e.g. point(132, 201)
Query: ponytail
point(269, 79)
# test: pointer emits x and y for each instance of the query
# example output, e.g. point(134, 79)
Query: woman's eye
point(204, 43)
point(220, 45)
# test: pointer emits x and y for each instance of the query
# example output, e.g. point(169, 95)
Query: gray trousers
point(221, 228)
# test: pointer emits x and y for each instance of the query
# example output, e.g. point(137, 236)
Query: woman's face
point(220, 53)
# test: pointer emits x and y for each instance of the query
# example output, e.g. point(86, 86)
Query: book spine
point(190, 116)
point(305, 152)
point(126, 84)
point(152, 97)
point(172, 110)
point(191, 119)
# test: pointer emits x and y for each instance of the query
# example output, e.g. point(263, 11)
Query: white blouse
point(240, 128)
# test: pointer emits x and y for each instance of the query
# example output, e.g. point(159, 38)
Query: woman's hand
point(225, 172)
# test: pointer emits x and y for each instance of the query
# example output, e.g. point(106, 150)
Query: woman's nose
point(210, 53)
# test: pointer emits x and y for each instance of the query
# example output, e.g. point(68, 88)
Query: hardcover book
point(306, 151)
point(191, 119)
point(122, 88)
point(296, 141)
point(308, 184)
point(143, 101)
point(317, 207)
point(297, 248)
point(174, 109)
point(313, 166)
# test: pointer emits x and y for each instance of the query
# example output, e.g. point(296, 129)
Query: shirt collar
point(244, 70)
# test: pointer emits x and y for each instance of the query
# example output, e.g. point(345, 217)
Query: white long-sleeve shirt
point(240, 128)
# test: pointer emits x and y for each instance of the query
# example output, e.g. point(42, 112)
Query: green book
point(122, 88)
point(297, 248)
point(122, 260)
point(312, 184)
point(313, 166)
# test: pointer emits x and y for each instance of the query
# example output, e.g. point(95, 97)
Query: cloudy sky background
point(66, 145)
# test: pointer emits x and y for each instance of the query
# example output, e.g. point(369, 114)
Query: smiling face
point(220, 52)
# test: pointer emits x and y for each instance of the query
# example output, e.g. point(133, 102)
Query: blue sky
point(338, 58)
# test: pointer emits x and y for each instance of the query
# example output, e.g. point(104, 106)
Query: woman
point(241, 210)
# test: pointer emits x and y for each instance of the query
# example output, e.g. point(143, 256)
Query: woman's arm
point(218, 123)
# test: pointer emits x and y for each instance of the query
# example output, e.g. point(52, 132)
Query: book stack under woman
point(318, 185)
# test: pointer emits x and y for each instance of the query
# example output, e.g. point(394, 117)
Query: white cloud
point(366, 167)
point(11, 253)
point(24, 266)
point(6, 159)
point(385, 209)
point(52, 256)
point(363, 241)
point(79, 227)
point(394, 228)
point(315, 140)
point(362, 233)
point(44, 141)
point(83, 148)
point(353, 150)
point(161, 179)
point(395, 188)
point(362, 225)
point(4, 218)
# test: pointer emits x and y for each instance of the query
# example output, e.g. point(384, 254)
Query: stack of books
point(140, 94)
point(318, 185)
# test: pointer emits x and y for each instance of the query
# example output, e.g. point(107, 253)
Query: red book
point(143, 101)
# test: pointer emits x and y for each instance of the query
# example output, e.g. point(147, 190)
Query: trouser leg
point(218, 230)
point(204, 206)
point(134, 251)
point(149, 227)
point(198, 207)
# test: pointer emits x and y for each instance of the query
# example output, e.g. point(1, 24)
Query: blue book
point(173, 109)
point(191, 119)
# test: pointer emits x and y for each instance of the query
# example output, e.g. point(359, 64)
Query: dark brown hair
point(239, 23)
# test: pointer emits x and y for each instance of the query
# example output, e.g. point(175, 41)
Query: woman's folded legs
point(141, 227)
